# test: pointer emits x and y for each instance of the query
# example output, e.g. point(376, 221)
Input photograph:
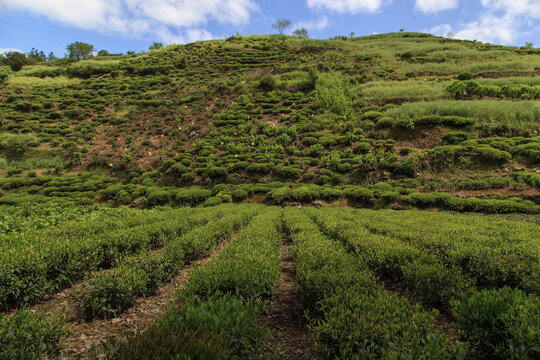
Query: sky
point(119, 26)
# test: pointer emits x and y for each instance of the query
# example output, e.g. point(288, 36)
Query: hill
point(393, 120)
point(119, 239)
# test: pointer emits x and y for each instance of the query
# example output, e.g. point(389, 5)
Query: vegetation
point(119, 172)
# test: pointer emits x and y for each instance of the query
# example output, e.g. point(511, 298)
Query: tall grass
point(31, 163)
point(519, 80)
point(29, 81)
point(414, 90)
point(523, 113)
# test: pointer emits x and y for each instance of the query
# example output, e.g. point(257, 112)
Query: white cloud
point(89, 15)
point(501, 21)
point(349, 6)
point(528, 8)
point(441, 30)
point(490, 29)
point(5, 50)
point(487, 28)
point(188, 13)
point(435, 6)
point(313, 25)
point(140, 17)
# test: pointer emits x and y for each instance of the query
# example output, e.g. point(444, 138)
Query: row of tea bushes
point(380, 195)
point(352, 314)
point(498, 321)
point(36, 267)
point(108, 293)
point(493, 252)
point(220, 307)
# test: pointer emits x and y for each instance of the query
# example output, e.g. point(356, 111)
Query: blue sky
point(122, 25)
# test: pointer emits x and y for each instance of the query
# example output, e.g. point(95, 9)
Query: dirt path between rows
point(289, 333)
point(85, 335)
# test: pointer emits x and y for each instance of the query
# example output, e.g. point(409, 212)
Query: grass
point(519, 113)
point(32, 163)
point(27, 81)
point(410, 90)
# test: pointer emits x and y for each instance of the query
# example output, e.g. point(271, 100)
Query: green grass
point(519, 113)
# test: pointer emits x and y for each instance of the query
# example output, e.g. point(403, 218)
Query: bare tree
point(281, 24)
point(351, 34)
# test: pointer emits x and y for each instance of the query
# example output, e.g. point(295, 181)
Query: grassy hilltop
point(402, 120)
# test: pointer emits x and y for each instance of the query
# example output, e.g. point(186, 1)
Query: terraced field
point(400, 120)
point(252, 281)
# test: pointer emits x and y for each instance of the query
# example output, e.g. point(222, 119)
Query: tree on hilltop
point(79, 50)
point(301, 33)
point(155, 45)
point(281, 24)
point(15, 60)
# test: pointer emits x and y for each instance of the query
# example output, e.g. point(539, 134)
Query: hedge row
point(483, 248)
point(419, 271)
point(221, 304)
point(39, 267)
point(355, 316)
point(108, 293)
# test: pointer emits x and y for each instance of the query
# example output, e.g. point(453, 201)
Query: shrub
point(179, 169)
point(360, 194)
point(159, 197)
point(213, 201)
point(362, 148)
point(259, 169)
point(30, 335)
point(492, 155)
point(465, 76)
point(310, 83)
point(266, 83)
point(14, 146)
point(191, 196)
point(226, 317)
point(287, 172)
point(455, 137)
point(500, 322)
point(158, 342)
point(357, 323)
point(239, 195)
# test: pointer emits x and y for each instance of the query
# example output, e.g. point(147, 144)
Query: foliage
point(29, 335)
point(15, 60)
point(281, 24)
point(79, 50)
point(501, 323)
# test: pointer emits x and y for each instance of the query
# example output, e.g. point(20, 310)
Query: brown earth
point(290, 337)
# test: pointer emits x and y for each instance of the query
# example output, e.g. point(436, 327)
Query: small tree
point(79, 50)
point(51, 56)
point(281, 24)
point(301, 33)
point(351, 34)
point(36, 56)
point(450, 35)
point(155, 45)
point(103, 53)
point(529, 45)
point(15, 60)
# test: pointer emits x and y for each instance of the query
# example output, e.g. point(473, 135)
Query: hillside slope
point(392, 120)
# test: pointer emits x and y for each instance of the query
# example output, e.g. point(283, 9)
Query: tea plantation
point(159, 205)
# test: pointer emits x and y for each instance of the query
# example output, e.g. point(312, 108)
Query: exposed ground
point(289, 333)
